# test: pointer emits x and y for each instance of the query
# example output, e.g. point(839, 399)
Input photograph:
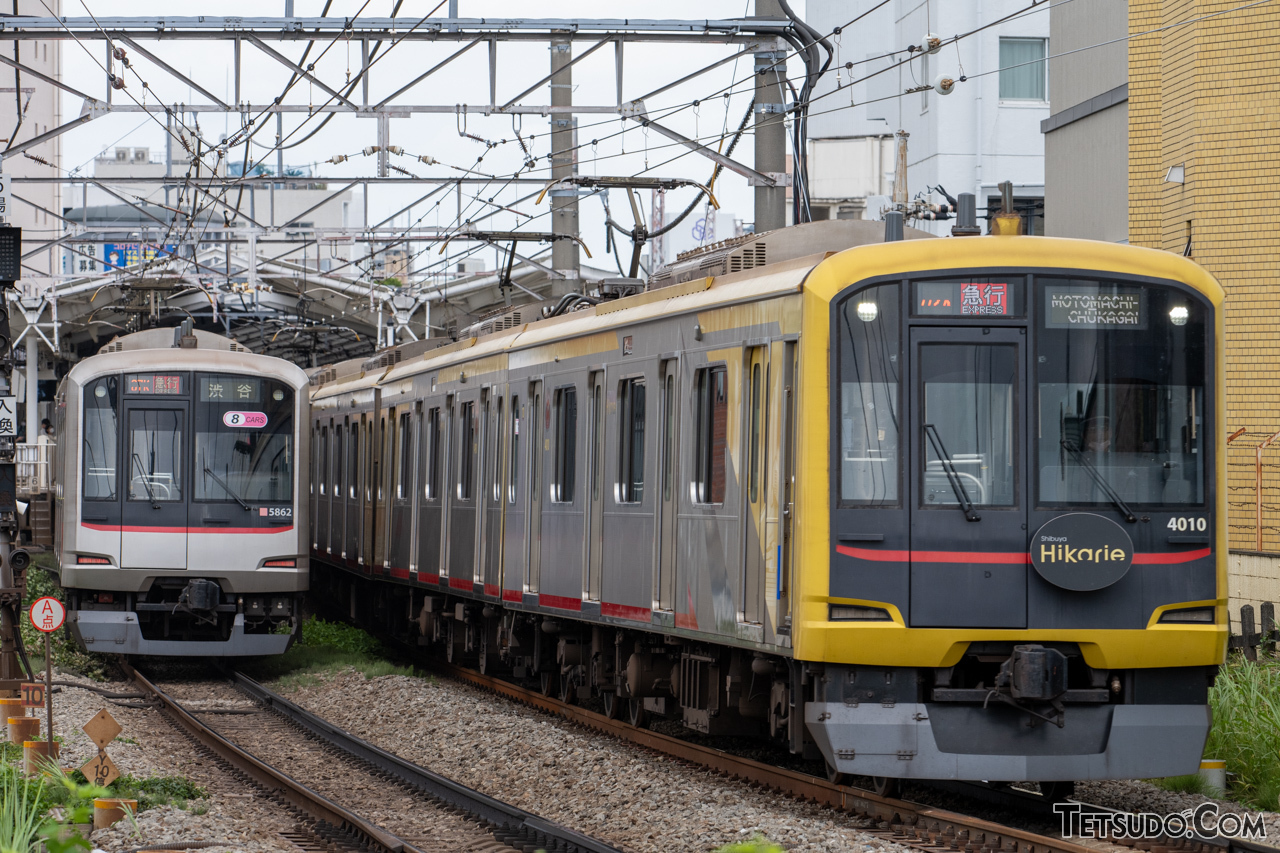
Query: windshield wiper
point(227, 488)
point(146, 484)
point(953, 476)
point(1118, 501)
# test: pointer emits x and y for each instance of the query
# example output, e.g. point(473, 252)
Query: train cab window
point(564, 463)
point(404, 473)
point(247, 456)
point(631, 398)
point(467, 452)
point(432, 490)
point(101, 427)
point(869, 372)
point(1121, 374)
point(969, 417)
point(155, 455)
point(711, 431)
point(514, 475)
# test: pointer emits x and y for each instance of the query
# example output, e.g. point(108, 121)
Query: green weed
point(1246, 729)
point(757, 844)
point(1192, 784)
point(325, 648)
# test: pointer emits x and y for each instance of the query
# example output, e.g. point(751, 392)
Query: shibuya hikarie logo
point(1081, 551)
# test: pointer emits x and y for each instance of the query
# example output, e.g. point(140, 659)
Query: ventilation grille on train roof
point(386, 358)
point(500, 321)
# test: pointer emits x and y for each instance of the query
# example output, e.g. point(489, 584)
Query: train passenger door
point(668, 491)
point(968, 495)
point(786, 488)
point(154, 520)
point(756, 396)
point(595, 485)
point(536, 433)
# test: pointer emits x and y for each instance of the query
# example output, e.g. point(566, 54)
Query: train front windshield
point(1120, 393)
point(243, 439)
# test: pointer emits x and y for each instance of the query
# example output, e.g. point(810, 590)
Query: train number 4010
point(1184, 523)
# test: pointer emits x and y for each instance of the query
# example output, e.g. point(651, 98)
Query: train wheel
point(885, 786)
point(612, 704)
point(636, 714)
point(568, 689)
point(450, 644)
point(547, 682)
point(1056, 792)
point(835, 777)
point(486, 665)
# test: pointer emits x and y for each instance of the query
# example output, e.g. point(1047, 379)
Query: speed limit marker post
point(47, 615)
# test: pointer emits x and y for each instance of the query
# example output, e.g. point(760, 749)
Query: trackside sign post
point(47, 615)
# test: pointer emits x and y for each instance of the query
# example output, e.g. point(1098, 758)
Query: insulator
point(337, 158)
point(118, 53)
point(372, 149)
point(116, 82)
point(393, 149)
point(428, 159)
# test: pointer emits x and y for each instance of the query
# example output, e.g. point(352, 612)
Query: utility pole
point(564, 199)
point(771, 131)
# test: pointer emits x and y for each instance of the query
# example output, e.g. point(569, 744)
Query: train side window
point(339, 435)
point(564, 463)
point(101, 437)
point(381, 462)
point(711, 437)
point(467, 452)
point(406, 458)
point(497, 453)
point(631, 398)
point(515, 449)
point(432, 491)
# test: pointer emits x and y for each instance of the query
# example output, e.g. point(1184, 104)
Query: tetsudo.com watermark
point(1205, 820)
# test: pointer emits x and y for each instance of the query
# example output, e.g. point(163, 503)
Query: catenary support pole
point(771, 131)
point(564, 200)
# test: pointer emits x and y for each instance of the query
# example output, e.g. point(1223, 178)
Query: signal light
point(280, 564)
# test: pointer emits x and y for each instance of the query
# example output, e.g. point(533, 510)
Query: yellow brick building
point(1204, 95)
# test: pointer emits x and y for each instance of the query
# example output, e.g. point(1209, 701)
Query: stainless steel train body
point(181, 522)
point(816, 493)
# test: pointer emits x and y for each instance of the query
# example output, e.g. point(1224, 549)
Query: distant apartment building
point(985, 132)
point(30, 107)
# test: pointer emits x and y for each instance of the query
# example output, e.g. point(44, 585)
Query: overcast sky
point(464, 81)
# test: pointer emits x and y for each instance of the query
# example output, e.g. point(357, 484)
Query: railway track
point(912, 824)
point(398, 808)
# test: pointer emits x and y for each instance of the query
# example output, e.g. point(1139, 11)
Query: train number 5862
point(1185, 523)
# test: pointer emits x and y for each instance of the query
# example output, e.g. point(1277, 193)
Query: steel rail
point(296, 794)
point(511, 823)
point(902, 821)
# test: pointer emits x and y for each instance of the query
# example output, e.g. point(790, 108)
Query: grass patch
point(1246, 729)
point(322, 649)
point(1192, 784)
point(66, 655)
point(756, 844)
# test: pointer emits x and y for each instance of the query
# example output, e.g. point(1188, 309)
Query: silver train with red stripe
point(180, 516)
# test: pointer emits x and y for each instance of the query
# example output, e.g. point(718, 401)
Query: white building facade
point(985, 132)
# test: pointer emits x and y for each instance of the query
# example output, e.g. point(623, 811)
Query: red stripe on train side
point(400, 574)
point(998, 557)
point(435, 579)
point(512, 595)
point(559, 602)
point(461, 583)
point(626, 611)
point(491, 589)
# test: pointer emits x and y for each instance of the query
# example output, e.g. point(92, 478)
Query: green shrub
point(757, 844)
point(325, 647)
point(1246, 730)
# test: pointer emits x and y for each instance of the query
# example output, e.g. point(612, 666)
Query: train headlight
point(867, 311)
point(1179, 315)
point(1189, 615)
point(277, 395)
point(99, 392)
point(857, 613)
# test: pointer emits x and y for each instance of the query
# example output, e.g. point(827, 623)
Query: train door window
point(101, 427)
point(711, 438)
point(353, 461)
point(668, 430)
point(564, 461)
point(868, 324)
point(367, 461)
point(514, 474)
point(432, 491)
point(339, 435)
point(597, 436)
point(155, 455)
point(497, 453)
point(381, 463)
point(757, 393)
point(467, 452)
point(631, 395)
point(405, 472)
point(535, 416)
point(324, 459)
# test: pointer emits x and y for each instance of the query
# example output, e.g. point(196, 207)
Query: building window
point(711, 437)
point(1023, 70)
point(631, 446)
point(566, 439)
